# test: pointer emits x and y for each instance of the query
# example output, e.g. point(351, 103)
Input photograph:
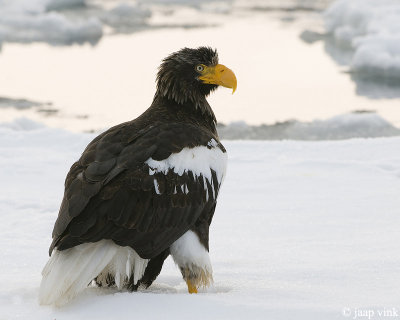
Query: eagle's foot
point(196, 277)
point(191, 287)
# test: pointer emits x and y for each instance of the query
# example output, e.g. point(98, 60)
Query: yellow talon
point(191, 288)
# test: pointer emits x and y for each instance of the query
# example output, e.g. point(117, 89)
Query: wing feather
point(111, 193)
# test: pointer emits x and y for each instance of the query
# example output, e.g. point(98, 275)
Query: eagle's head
point(189, 75)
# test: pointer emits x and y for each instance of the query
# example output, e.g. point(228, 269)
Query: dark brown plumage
point(111, 192)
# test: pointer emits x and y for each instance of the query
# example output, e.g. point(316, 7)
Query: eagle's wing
point(133, 187)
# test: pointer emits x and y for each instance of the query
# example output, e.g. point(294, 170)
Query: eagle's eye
point(199, 68)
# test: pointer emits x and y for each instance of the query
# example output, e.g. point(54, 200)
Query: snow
point(283, 5)
point(67, 22)
point(302, 230)
point(64, 4)
point(361, 124)
point(372, 29)
point(28, 21)
point(126, 17)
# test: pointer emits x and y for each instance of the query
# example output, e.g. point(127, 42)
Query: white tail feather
point(68, 272)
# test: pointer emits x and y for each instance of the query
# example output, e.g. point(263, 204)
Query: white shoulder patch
point(199, 160)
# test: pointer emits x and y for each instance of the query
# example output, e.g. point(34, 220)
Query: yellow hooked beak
point(220, 75)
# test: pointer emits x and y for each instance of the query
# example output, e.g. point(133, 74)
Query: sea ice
point(360, 124)
point(28, 21)
point(372, 29)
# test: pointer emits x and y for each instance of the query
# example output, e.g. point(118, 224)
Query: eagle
point(144, 189)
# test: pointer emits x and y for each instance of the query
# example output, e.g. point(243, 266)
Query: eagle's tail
point(70, 271)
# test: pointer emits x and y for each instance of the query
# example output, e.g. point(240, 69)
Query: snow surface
point(372, 29)
point(302, 230)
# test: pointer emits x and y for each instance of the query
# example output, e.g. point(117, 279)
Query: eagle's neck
point(197, 112)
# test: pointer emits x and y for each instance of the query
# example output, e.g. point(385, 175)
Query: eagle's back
point(142, 185)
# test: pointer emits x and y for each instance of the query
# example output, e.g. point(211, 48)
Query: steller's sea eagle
point(144, 189)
